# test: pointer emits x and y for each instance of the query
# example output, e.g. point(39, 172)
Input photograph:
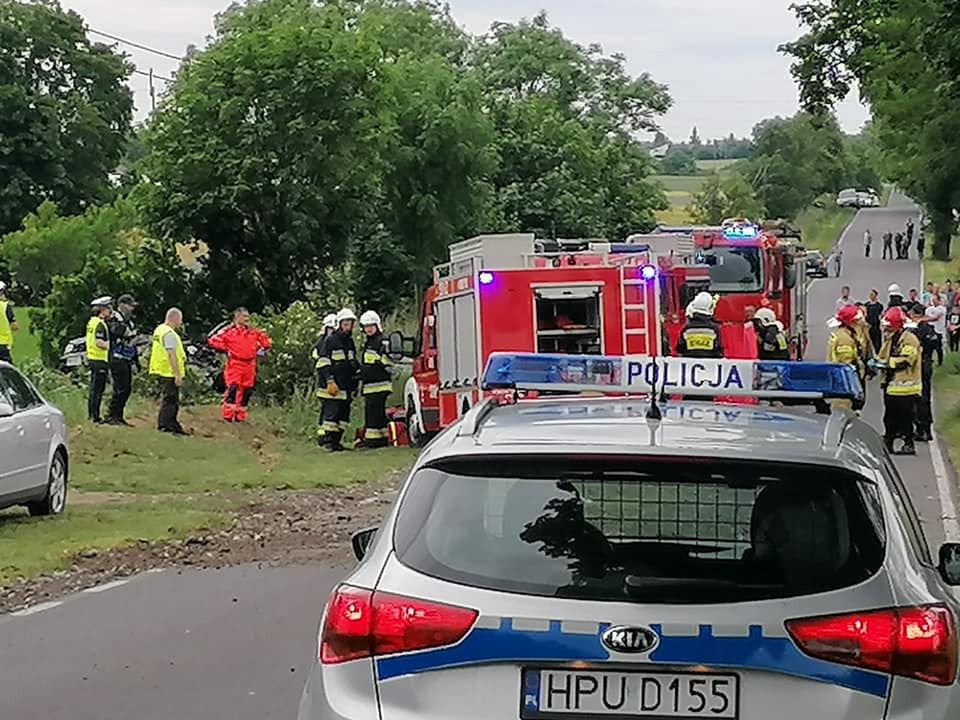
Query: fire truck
point(517, 293)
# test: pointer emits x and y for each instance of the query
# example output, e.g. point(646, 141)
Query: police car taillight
point(361, 623)
point(913, 642)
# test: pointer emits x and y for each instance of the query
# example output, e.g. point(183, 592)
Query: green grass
point(821, 226)
point(680, 183)
point(675, 215)
point(939, 270)
point(30, 546)
point(26, 346)
point(710, 166)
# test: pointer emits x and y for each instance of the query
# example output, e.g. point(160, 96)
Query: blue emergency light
point(741, 232)
point(645, 375)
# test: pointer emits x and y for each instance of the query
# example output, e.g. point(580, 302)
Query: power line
point(153, 75)
point(124, 41)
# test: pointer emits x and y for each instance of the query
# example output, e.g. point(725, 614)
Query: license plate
point(550, 694)
point(74, 361)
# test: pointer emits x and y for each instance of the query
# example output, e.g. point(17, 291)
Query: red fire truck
point(515, 293)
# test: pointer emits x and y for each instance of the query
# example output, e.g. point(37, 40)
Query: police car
point(609, 557)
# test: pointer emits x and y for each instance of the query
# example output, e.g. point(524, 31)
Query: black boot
point(908, 448)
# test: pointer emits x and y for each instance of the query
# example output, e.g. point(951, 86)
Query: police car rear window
point(597, 529)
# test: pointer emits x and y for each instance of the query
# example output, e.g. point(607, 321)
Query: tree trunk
point(942, 225)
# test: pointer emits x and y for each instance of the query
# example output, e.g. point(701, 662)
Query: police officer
point(843, 346)
point(321, 361)
point(8, 324)
point(98, 355)
point(772, 341)
point(700, 337)
point(123, 356)
point(338, 379)
point(929, 344)
point(902, 385)
point(376, 372)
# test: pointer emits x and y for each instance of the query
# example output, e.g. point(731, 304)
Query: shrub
point(288, 368)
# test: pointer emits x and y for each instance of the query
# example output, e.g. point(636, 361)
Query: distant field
point(676, 215)
point(714, 165)
point(680, 183)
point(25, 345)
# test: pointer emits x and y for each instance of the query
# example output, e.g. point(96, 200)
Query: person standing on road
point(8, 325)
point(844, 298)
point(843, 347)
point(912, 305)
point(243, 345)
point(700, 337)
point(837, 261)
point(929, 344)
point(921, 243)
point(168, 363)
point(338, 378)
point(867, 242)
point(772, 343)
point(949, 295)
point(899, 242)
point(887, 246)
point(874, 310)
point(123, 356)
point(909, 232)
point(926, 297)
point(899, 359)
point(98, 355)
point(376, 374)
point(937, 317)
point(896, 296)
point(953, 327)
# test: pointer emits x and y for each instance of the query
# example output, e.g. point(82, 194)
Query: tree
point(904, 58)
point(724, 197)
point(679, 162)
point(694, 136)
point(566, 118)
point(65, 111)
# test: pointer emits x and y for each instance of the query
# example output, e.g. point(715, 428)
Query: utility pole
point(153, 93)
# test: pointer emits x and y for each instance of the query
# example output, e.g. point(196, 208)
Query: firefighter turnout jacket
point(843, 347)
point(901, 353)
point(375, 366)
point(337, 365)
point(773, 343)
point(700, 338)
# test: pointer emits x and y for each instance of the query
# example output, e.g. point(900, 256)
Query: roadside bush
point(288, 368)
point(58, 389)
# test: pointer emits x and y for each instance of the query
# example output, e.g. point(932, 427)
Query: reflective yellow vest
point(159, 360)
point(904, 379)
point(95, 353)
point(6, 332)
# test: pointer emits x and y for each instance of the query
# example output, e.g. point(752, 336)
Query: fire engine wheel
point(415, 432)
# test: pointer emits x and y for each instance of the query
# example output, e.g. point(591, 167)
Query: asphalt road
point(237, 643)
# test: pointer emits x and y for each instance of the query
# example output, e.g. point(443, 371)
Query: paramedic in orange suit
point(242, 344)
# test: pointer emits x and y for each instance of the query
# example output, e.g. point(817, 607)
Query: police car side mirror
point(362, 540)
point(950, 563)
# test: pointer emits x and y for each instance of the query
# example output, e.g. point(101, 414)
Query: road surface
point(236, 643)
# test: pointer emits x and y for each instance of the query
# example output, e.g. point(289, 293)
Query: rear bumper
point(352, 697)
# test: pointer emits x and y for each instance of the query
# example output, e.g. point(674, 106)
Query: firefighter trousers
point(375, 420)
point(334, 418)
point(899, 412)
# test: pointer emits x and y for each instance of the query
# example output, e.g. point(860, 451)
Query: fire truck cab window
point(568, 320)
point(732, 269)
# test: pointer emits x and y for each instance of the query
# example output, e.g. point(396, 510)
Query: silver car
point(34, 459)
point(574, 558)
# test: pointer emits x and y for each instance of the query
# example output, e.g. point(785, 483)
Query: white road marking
point(843, 235)
point(107, 586)
point(34, 609)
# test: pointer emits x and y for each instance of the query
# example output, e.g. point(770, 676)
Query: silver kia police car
point(588, 558)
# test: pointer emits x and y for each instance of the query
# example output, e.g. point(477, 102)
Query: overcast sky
point(718, 57)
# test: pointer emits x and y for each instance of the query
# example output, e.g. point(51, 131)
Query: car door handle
point(20, 431)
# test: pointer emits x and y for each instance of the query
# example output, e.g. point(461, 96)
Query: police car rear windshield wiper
point(638, 587)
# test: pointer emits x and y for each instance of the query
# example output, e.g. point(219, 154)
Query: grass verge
point(30, 546)
point(26, 345)
point(822, 226)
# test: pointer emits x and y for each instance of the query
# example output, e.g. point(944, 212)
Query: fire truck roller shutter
point(457, 341)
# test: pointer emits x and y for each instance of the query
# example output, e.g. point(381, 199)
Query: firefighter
point(376, 372)
point(8, 324)
point(700, 337)
point(929, 344)
point(243, 345)
point(321, 361)
point(771, 340)
point(843, 346)
point(902, 384)
point(98, 355)
point(338, 379)
point(896, 296)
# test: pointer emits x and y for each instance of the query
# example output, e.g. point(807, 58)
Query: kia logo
point(625, 639)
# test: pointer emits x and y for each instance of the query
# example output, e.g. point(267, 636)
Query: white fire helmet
point(370, 318)
point(894, 291)
point(702, 304)
point(766, 317)
point(330, 321)
point(345, 314)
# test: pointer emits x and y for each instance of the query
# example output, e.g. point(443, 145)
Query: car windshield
point(733, 269)
point(674, 532)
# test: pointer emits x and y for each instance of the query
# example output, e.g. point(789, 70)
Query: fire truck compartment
point(569, 319)
point(457, 341)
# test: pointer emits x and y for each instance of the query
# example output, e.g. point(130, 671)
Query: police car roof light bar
point(645, 375)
